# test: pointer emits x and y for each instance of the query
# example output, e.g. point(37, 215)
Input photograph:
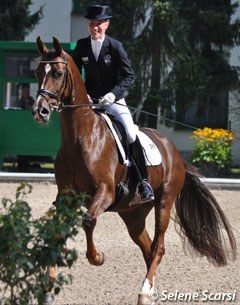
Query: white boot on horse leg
point(147, 294)
point(48, 298)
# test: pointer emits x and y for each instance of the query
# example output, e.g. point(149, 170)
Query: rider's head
point(98, 20)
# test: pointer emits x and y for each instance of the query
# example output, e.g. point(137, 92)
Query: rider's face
point(97, 28)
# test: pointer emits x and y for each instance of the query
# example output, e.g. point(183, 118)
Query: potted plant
point(212, 151)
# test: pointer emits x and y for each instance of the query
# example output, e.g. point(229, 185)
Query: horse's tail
point(202, 221)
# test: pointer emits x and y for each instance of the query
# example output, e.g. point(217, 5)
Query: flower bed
point(212, 151)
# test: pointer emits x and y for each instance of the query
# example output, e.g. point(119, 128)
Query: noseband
point(55, 95)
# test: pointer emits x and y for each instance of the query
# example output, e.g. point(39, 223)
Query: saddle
point(151, 152)
point(120, 135)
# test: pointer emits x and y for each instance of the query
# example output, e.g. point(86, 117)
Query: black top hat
point(97, 12)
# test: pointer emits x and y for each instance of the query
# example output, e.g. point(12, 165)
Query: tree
point(15, 19)
point(179, 50)
point(204, 74)
point(192, 40)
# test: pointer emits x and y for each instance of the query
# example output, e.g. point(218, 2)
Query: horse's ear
point(41, 46)
point(57, 46)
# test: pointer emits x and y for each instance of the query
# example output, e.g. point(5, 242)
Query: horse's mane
point(75, 73)
point(72, 65)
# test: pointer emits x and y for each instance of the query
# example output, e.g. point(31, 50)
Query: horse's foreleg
point(101, 201)
point(48, 294)
point(94, 257)
point(52, 271)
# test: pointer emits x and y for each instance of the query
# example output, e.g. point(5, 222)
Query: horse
point(88, 161)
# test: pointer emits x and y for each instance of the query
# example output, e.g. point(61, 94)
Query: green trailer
point(20, 135)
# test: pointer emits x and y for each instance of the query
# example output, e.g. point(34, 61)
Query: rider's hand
point(89, 98)
point(108, 99)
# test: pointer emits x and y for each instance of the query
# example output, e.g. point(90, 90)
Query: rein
point(44, 93)
point(95, 106)
point(82, 105)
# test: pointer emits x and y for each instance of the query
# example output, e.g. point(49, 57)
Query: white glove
point(89, 98)
point(108, 99)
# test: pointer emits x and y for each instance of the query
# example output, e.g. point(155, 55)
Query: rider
point(108, 74)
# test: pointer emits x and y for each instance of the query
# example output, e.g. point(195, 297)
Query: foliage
point(212, 146)
point(179, 51)
point(204, 73)
point(29, 246)
point(15, 19)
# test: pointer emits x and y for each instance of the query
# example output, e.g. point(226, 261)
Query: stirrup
point(145, 191)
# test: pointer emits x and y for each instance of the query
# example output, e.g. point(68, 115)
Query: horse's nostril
point(44, 112)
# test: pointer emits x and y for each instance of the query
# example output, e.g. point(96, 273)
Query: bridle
point(57, 96)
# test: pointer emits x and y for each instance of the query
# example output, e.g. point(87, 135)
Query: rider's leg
point(122, 113)
point(144, 188)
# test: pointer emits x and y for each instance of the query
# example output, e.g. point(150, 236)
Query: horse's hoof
point(144, 299)
point(101, 258)
point(48, 298)
point(98, 260)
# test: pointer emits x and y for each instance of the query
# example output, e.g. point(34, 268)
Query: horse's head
point(52, 75)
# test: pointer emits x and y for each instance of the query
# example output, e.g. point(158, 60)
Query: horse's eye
point(58, 74)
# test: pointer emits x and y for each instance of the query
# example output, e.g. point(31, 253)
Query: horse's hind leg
point(135, 222)
point(162, 217)
point(163, 208)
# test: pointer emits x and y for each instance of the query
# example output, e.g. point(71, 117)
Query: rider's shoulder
point(83, 41)
point(114, 42)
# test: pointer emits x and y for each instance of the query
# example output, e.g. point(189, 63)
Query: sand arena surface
point(181, 278)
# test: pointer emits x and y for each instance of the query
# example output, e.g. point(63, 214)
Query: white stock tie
point(96, 47)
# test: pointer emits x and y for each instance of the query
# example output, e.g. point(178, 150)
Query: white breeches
point(121, 112)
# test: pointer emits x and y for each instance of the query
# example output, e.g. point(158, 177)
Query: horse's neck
point(76, 87)
point(79, 96)
point(78, 122)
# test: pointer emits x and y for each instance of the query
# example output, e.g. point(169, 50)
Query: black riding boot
point(144, 188)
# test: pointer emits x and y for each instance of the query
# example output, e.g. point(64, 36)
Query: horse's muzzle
point(41, 111)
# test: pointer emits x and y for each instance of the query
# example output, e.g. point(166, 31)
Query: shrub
point(212, 147)
point(28, 247)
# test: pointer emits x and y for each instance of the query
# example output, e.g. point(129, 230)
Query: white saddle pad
point(150, 150)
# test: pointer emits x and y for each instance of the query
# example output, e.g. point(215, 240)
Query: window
point(19, 95)
point(22, 65)
point(19, 82)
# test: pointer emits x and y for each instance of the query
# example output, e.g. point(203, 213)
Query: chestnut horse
point(88, 161)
